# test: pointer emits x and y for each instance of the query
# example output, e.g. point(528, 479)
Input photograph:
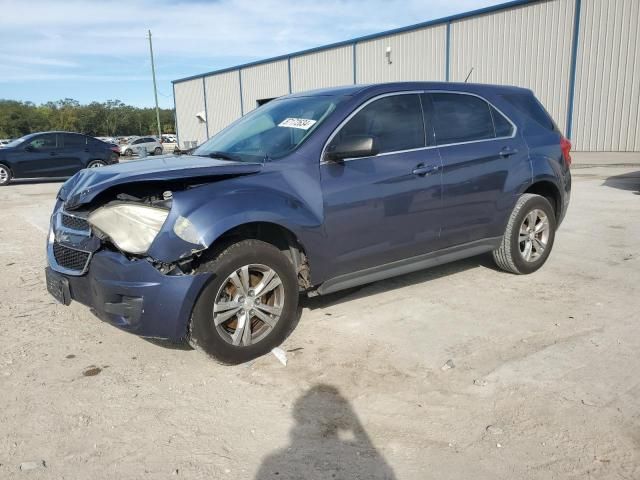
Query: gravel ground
point(541, 376)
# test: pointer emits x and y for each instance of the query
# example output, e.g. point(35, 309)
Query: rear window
point(531, 108)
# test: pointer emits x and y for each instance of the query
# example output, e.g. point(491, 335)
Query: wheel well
point(278, 236)
point(549, 191)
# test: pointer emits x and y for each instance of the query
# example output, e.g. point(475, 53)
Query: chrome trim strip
point(408, 92)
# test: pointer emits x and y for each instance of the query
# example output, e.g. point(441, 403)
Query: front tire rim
point(96, 165)
point(248, 305)
point(4, 175)
point(533, 236)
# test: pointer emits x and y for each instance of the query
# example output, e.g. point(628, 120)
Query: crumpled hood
point(85, 185)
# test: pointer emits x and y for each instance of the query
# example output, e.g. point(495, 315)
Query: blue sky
point(97, 50)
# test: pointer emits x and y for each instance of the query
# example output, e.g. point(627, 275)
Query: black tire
point(157, 151)
point(5, 175)
point(96, 164)
point(508, 255)
point(203, 335)
point(128, 152)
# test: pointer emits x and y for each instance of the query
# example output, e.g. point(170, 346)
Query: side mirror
point(354, 146)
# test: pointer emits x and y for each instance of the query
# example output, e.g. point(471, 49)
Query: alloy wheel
point(248, 305)
point(4, 174)
point(533, 235)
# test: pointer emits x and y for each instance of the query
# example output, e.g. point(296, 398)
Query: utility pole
point(155, 89)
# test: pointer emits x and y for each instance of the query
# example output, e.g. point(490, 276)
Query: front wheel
point(249, 307)
point(5, 175)
point(529, 236)
point(128, 152)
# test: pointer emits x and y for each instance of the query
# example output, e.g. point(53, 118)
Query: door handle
point(423, 170)
point(508, 151)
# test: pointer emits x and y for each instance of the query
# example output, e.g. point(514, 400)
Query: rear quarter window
point(532, 109)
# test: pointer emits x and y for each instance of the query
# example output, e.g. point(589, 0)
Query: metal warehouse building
point(580, 57)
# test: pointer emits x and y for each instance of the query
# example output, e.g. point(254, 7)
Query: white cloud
point(66, 34)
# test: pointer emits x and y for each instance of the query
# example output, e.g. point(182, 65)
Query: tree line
point(108, 119)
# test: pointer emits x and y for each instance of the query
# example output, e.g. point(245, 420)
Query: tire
point(128, 152)
point(114, 158)
point(511, 255)
point(227, 342)
point(5, 175)
point(157, 151)
point(96, 164)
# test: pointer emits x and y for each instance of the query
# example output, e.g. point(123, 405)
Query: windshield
point(17, 141)
point(271, 131)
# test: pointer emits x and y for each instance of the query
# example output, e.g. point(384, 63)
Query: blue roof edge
point(373, 36)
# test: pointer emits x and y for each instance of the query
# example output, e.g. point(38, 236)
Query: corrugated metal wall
point(327, 68)
point(417, 55)
point(527, 46)
point(268, 80)
point(189, 97)
point(223, 100)
point(607, 99)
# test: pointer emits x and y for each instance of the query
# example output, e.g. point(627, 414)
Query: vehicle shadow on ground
point(327, 441)
point(402, 281)
point(626, 181)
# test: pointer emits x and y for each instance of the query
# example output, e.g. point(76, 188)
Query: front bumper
point(133, 296)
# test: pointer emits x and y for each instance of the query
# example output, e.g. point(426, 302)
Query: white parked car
point(149, 145)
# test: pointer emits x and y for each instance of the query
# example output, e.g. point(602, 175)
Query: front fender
point(216, 208)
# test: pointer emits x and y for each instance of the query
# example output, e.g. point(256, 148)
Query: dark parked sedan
point(53, 155)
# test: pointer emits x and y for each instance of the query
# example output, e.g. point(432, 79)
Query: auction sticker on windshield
point(302, 123)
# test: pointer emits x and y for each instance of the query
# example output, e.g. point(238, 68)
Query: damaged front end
point(101, 245)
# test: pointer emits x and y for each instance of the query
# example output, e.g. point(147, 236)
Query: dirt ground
point(544, 383)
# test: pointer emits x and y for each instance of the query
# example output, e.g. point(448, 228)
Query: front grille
point(69, 258)
point(74, 223)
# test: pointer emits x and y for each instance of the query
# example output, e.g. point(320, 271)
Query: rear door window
point(74, 141)
point(395, 122)
point(459, 118)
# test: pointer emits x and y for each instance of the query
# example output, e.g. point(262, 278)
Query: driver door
point(39, 157)
point(385, 207)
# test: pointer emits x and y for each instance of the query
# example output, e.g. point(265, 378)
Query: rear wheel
point(157, 151)
point(128, 152)
point(5, 175)
point(529, 236)
point(96, 164)
point(249, 307)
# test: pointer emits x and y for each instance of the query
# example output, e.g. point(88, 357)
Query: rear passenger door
point(483, 160)
point(74, 153)
point(385, 207)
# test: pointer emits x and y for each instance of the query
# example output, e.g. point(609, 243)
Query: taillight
point(565, 146)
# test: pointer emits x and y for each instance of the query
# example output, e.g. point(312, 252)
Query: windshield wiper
point(223, 156)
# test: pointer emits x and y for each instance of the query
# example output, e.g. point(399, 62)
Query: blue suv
point(311, 193)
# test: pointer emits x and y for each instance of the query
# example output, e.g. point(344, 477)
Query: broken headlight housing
point(132, 228)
